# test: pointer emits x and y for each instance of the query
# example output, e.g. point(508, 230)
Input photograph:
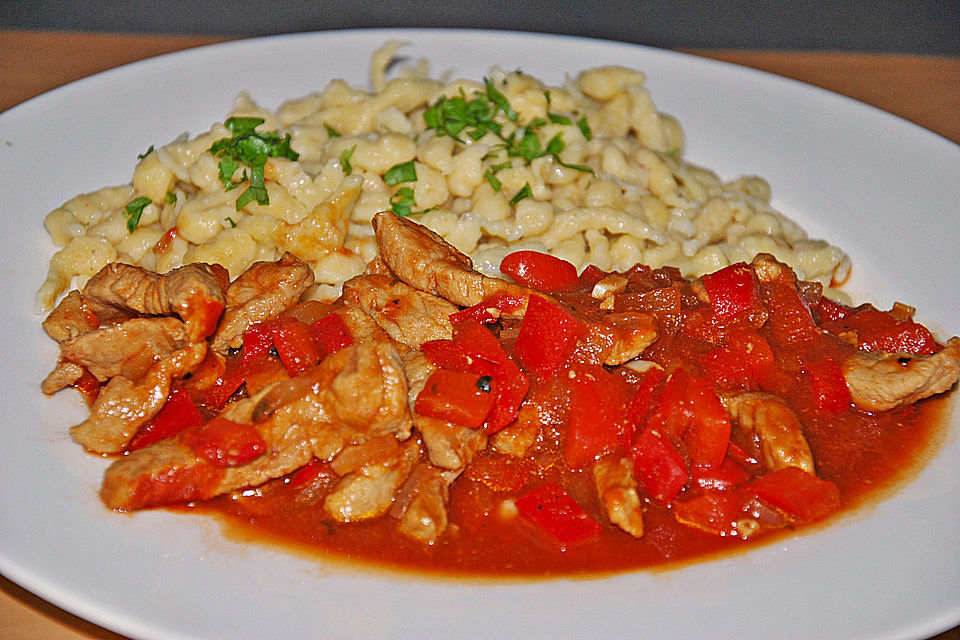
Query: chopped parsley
point(333, 133)
point(345, 156)
point(145, 153)
point(250, 148)
point(402, 172)
point(402, 202)
point(233, 224)
point(525, 192)
point(491, 177)
point(171, 197)
point(134, 210)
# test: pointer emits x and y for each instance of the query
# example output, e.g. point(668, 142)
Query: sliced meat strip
point(126, 349)
point(617, 489)
point(424, 260)
point(368, 492)
point(629, 333)
point(425, 518)
point(194, 292)
point(124, 405)
point(63, 375)
point(408, 315)
point(880, 381)
point(776, 430)
point(520, 435)
point(261, 292)
point(70, 318)
point(355, 394)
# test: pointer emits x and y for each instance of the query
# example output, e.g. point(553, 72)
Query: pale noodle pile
point(640, 201)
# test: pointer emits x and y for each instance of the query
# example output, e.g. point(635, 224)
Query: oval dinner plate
point(883, 189)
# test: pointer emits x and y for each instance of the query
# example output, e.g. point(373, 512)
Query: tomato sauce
point(774, 343)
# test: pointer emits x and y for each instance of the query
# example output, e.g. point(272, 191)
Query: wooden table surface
point(922, 89)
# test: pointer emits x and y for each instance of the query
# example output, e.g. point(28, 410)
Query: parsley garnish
point(251, 148)
point(492, 179)
point(402, 172)
point(145, 153)
point(134, 210)
point(345, 160)
point(402, 202)
point(585, 128)
point(171, 197)
point(233, 225)
point(525, 192)
point(333, 133)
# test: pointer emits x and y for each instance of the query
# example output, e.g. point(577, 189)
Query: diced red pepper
point(642, 403)
point(597, 412)
point(258, 340)
point(511, 389)
point(827, 309)
point(881, 331)
point(790, 318)
point(733, 292)
point(745, 362)
point(552, 509)
point(660, 468)
point(461, 398)
point(489, 311)
point(225, 443)
point(447, 354)
point(673, 415)
point(709, 435)
point(547, 338)
point(828, 389)
point(177, 414)
point(797, 493)
point(296, 346)
point(590, 276)
point(665, 303)
point(715, 512)
point(331, 333)
point(729, 475)
point(540, 271)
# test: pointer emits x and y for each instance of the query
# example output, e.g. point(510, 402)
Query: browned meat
point(70, 318)
point(617, 489)
point(261, 292)
point(424, 260)
point(628, 334)
point(194, 292)
point(368, 491)
point(63, 375)
point(879, 381)
point(518, 436)
point(773, 427)
point(125, 404)
point(408, 315)
point(126, 349)
point(425, 517)
point(356, 394)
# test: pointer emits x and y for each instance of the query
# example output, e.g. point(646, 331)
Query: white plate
point(884, 189)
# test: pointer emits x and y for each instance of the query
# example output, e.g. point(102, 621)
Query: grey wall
point(923, 26)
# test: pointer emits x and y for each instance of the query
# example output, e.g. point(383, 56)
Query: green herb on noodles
point(134, 210)
point(525, 192)
point(399, 173)
point(345, 160)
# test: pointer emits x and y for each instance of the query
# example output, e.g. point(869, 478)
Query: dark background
point(922, 26)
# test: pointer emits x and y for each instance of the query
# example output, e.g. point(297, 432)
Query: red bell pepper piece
point(548, 336)
point(729, 475)
point(296, 346)
point(177, 414)
point(644, 397)
point(225, 443)
point(540, 271)
point(489, 311)
point(331, 334)
point(672, 415)
point(552, 509)
point(597, 412)
point(709, 434)
point(461, 398)
point(447, 354)
point(590, 276)
point(258, 340)
point(828, 389)
point(790, 318)
point(715, 512)
point(660, 468)
point(797, 493)
point(745, 362)
point(733, 292)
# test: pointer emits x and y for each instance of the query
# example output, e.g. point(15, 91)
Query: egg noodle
point(591, 172)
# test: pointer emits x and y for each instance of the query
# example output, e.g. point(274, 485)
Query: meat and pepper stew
point(436, 418)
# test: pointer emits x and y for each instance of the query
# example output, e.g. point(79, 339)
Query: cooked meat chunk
point(356, 394)
point(629, 334)
point(518, 436)
point(125, 404)
point(194, 292)
point(425, 518)
point(879, 381)
point(424, 260)
point(70, 318)
point(63, 375)
point(617, 489)
point(368, 492)
point(261, 292)
point(773, 427)
point(408, 315)
point(126, 349)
